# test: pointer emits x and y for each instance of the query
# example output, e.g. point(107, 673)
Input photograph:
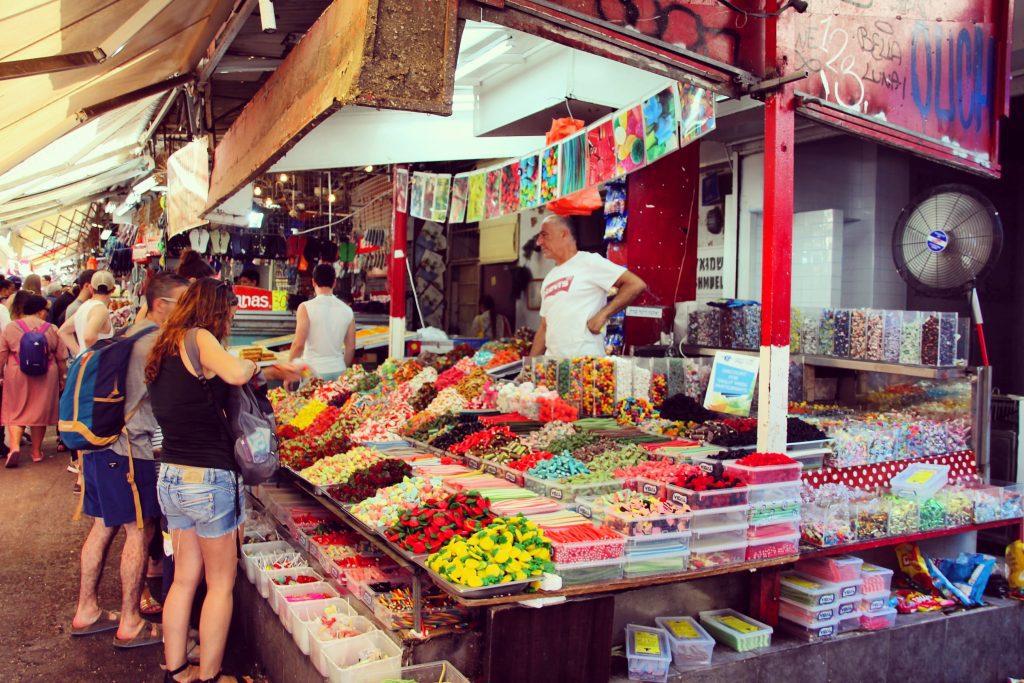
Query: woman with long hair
point(490, 324)
point(198, 485)
point(30, 400)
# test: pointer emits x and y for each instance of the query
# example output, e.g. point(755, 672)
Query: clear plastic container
point(601, 571)
point(766, 530)
point(707, 500)
point(567, 493)
point(876, 621)
point(587, 551)
point(691, 645)
point(874, 602)
point(849, 623)
point(787, 509)
point(637, 567)
point(727, 533)
point(833, 569)
point(801, 589)
point(910, 338)
point(771, 548)
point(649, 487)
point(875, 578)
point(930, 339)
point(717, 517)
point(318, 642)
point(304, 615)
point(769, 493)
point(920, 480)
point(251, 550)
point(658, 544)
point(290, 595)
point(841, 338)
point(766, 474)
point(870, 517)
point(875, 336)
point(810, 633)
point(736, 630)
point(651, 525)
point(810, 330)
point(651, 555)
point(274, 578)
point(891, 337)
point(341, 659)
point(813, 615)
point(947, 339)
point(648, 653)
point(433, 672)
point(859, 333)
point(717, 555)
point(265, 563)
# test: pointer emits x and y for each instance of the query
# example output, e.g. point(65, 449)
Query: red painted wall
point(661, 237)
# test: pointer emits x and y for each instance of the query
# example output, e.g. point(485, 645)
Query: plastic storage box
point(874, 602)
point(762, 530)
point(717, 517)
point(342, 659)
point(876, 621)
point(651, 525)
point(766, 474)
point(433, 672)
point(811, 632)
point(706, 556)
point(587, 551)
point(849, 623)
point(647, 556)
point(289, 595)
point(724, 534)
point(813, 615)
point(875, 578)
point(772, 493)
point(775, 511)
point(736, 630)
point(920, 481)
point(833, 569)
point(264, 565)
point(691, 645)
point(252, 550)
point(805, 590)
point(707, 500)
point(648, 653)
point(304, 615)
point(772, 547)
point(600, 571)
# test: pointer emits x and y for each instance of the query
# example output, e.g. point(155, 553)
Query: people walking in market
point(84, 294)
point(325, 328)
point(34, 361)
point(91, 322)
point(120, 490)
point(574, 295)
point(199, 488)
point(33, 284)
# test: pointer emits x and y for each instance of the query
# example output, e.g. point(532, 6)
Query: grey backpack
point(249, 423)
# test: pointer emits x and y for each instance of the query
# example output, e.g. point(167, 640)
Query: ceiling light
point(331, 198)
point(269, 201)
point(283, 177)
point(369, 168)
point(257, 191)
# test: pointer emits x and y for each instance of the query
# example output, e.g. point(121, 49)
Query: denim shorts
point(201, 498)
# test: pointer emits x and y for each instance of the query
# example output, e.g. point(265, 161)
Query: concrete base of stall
point(256, 628)
point(984, 645)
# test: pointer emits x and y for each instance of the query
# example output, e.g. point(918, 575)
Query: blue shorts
point(201, 498)
point(108, 495)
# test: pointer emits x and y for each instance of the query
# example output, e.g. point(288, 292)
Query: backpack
point(33, 349)
point(249, 423)
point(92, 405)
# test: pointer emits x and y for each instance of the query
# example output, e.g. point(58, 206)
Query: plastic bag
point(1015, 569)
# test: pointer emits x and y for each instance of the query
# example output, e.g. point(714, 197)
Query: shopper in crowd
point(490, 324)
point(6, 288)
point(84, 293)
point(250, 277)
point(47, 281)
point(191, 265)
point(33, 283)
point(112, 482)
point(91, 322)
point(198, 486)
point(574, 295)
point(325, 328)
point(30, 400)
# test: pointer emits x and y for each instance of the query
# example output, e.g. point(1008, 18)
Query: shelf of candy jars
point(918, 344)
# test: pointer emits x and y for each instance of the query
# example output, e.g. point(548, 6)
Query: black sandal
point(169, 676)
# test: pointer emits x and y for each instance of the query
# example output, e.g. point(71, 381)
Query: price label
point(585, 511)
point(826, 631)
point(824, 615)
point(682, 629)
point(650, 489)
point(646, 643)
point(921, 477)
point(737, 624)
point(680, 498)
point(491, 469)
point(510, 476)
point(556, 494)
point(803, 583)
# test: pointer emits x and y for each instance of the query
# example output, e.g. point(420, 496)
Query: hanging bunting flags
point(550, 185)
point(529, 182)
point(475, 201)
point(401, 190)
point(661, 123)
point(510, 188)
point(419, 187)
point(442, 193)
point(628, 130)
point(697, 112)
point(460, 197)
point(574, 163)
point(492, 193)
point(600, 152)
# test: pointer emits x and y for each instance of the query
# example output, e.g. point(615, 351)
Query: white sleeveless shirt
point(329, 320)
point(82, 316)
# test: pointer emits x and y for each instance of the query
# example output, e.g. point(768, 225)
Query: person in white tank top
point(325, 329)
point(91, 322)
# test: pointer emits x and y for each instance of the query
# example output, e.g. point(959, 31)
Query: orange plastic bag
point(587, 200)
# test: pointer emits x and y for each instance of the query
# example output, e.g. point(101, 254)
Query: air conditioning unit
point(1007, 440)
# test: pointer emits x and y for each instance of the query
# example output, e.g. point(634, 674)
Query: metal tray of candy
point(483, 592)
point(507, 370)
point(427, 447)
point(466, 414)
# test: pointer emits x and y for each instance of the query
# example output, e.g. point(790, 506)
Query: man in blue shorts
point(115, 503)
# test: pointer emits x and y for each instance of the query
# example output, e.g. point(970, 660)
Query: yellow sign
point(646, 643)
point(682, 629)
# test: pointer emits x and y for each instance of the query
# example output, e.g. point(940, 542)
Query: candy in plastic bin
point(1015, 569)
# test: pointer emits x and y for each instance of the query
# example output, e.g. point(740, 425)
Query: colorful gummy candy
point(506, 550)
point(337, 469)
point(382, 510)
point(558, 467)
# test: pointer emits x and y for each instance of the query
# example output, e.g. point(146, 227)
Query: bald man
point(574, 296)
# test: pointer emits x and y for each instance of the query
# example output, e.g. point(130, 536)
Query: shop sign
point(256, 299)
point(731, 387)
point(652, 312)
point(710, 265)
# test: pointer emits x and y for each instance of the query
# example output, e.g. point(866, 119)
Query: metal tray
point(510, 588)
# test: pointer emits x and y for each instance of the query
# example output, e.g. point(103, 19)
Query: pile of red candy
point(427, 527)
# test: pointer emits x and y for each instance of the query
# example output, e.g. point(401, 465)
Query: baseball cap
point(103, 282)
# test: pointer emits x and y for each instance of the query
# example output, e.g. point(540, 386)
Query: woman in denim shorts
point(199, 487)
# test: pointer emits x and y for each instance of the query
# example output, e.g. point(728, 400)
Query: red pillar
point(777, 256)
point(396, 268)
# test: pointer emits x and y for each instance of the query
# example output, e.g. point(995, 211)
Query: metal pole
point(396, 272)
point(983, 422)
point(777, 255)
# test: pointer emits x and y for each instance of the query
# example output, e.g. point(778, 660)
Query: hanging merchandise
point(615, 211)
point(697, 107)
point(460, 197)
point(529, 182)
point(475, 201)
point(510, 188)
point(549, 174)
point(600, 152)
point(401, 190)
point(628, 132)
point(416, 208)
point(661, 123)
point(492, 193)
point(574, 163)
point(442, 194)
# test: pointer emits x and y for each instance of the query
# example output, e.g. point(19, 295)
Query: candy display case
point(769, 548)
point(736, 630)
point(648, 653)
point(599, 571)
point(841, 333)
point(811, 633)
point(891, 336)
point(710, 555)
point(859, 334)
point(869, 513)
point(911, 338)
point(692, 647)
point(707, 500)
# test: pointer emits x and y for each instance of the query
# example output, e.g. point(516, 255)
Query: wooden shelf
point(859, 546)
point(924, 371)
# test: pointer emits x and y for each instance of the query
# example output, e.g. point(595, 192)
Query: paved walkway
point(39, 550)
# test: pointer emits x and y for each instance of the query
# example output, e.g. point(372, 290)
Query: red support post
point(396, 268)
point(777, 255)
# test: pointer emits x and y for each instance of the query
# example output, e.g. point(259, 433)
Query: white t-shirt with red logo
point(572, 294)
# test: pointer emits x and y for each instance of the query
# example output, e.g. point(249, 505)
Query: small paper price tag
point(646, 643)
point(682, 629)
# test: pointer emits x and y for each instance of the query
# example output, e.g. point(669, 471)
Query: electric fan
point(945, 241)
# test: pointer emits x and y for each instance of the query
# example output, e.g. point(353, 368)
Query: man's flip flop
point(149, 634)
point(107, 621)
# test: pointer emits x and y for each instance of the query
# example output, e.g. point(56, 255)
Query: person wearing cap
point(30, 400)
point(91, 321)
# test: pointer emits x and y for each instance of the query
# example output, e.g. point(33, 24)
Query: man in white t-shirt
point(574, 296)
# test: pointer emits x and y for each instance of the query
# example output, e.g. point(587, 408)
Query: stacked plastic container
point(875, 612)
point(655, 544)
point(773, 516)
point(812, 607)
